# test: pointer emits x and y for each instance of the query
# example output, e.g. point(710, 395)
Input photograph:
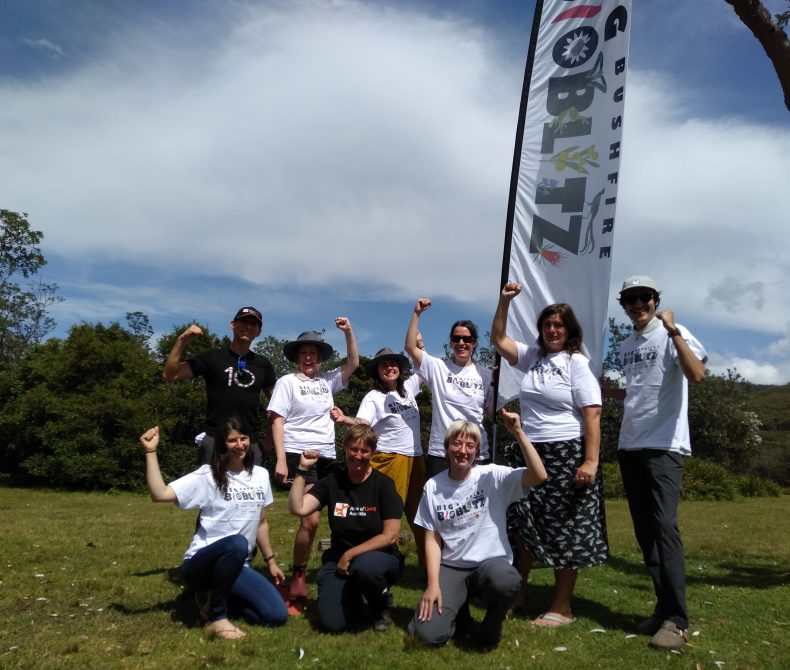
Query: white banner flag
point(561, 214)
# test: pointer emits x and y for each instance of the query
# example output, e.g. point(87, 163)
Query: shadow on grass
point(717, 574)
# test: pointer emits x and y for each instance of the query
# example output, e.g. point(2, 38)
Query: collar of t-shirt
point(655, 322)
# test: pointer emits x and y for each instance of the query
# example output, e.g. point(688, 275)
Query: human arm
point(277, 426)
point(390, 531)
point(505, 346)
point(535, 473)
point(693, 368)
point(175, 369)
point(160, 492)
point(338, 416)
point(413, 331)
point(299, 502)
point(433, 592)
point(587, 471)
point(352, 353)
point(265, 545)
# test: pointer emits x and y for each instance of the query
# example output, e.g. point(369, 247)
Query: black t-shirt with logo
point(356, 511)
point(233, 386)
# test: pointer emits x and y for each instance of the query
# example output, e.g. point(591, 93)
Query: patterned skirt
point(560, 524)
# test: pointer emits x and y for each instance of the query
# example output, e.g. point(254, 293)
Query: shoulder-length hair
point(220, 455)
point(575, 335)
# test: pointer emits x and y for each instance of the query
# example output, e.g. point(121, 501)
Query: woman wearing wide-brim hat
point(391, 409)
point(299, 416)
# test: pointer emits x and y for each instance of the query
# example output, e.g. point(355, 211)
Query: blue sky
point(324, 158)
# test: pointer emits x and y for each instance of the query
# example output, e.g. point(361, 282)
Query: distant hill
point(772, 404)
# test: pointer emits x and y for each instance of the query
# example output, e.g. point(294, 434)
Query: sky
point(325, 158)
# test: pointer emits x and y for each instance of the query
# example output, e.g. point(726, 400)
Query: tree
point(769, 31)
point(24, 320)
point(77, 409)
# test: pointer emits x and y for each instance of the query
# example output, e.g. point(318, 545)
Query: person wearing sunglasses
point(299, 417)
point(460, 387)
point(235, 376)
point(562, 523)
point(659, 358)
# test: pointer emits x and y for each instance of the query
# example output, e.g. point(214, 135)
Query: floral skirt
point(560, 524)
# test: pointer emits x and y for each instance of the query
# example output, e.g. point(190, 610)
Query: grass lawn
point(92, 581)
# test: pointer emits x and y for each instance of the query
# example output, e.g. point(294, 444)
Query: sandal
point(223, 630)
point(552, 620)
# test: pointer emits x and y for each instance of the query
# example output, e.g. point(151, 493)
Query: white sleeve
point(282, 397)
point(367, 409)
point(585, 388)
point(412, 384)
point(335, 380)
point(694, 344)
point(428, 367)
point(526, 356)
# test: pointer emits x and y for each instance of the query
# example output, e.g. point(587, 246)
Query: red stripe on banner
point(584, 12)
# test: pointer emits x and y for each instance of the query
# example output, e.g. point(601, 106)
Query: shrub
point(752, 486)
point(612, 481)
point(705, 480)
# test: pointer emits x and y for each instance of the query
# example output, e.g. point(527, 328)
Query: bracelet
point(674, 332)
point(153, 451)
point(266, 559)
point(304, 473)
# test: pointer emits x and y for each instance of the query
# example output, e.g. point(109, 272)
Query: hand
point(585, 475)
point(336, 414)
point(309, 459)
point(281, 471)
point(512, 421)
point(343, 323)
point(344, 564)
point(511, 290)
point(421, 305)
point(431, 595)
point(190, 333)
point(667, 318)
point(150, 439)
point(276, 573)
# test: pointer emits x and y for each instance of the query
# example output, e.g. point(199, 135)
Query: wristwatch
point(674, 332)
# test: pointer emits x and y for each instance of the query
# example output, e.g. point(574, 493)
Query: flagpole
point(511, 202)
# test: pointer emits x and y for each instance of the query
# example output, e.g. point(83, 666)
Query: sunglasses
point(633, 297)
point(241, 367)
point(466, 339)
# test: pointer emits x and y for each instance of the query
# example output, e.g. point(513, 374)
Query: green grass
point(92, 581)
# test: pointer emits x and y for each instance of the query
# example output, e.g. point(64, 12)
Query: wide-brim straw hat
point(372, 366)
point(291, 349)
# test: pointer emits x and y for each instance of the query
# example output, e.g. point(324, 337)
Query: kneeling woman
point(364, 511)
point(467, 550)
point(231, 494)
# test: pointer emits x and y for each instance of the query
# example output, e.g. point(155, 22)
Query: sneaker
point(649, 626)
point(384, 621)
point(669, 637)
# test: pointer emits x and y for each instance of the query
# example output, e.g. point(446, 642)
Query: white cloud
point(754, 371)
point(54, 51)
point(313, 144)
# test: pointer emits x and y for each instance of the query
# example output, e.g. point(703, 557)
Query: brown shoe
point(669, 637)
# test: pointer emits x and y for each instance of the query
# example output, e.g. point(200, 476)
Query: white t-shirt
point(553, 390)
point(396, 420)
point(655, 414)
point(236, 513)
point(305, 405)
point(458, 393)
point(470, 515)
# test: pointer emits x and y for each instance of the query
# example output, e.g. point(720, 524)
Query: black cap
point(249, 312)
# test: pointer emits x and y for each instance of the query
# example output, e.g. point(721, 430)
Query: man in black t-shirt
point(234, 375)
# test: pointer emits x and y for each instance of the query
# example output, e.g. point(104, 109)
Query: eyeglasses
point(633, 297)
point(466, 339)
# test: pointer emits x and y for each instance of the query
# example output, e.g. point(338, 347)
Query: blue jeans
point(220, 570)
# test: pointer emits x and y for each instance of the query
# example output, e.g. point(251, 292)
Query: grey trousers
point(495, 581)
point(652, 480)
